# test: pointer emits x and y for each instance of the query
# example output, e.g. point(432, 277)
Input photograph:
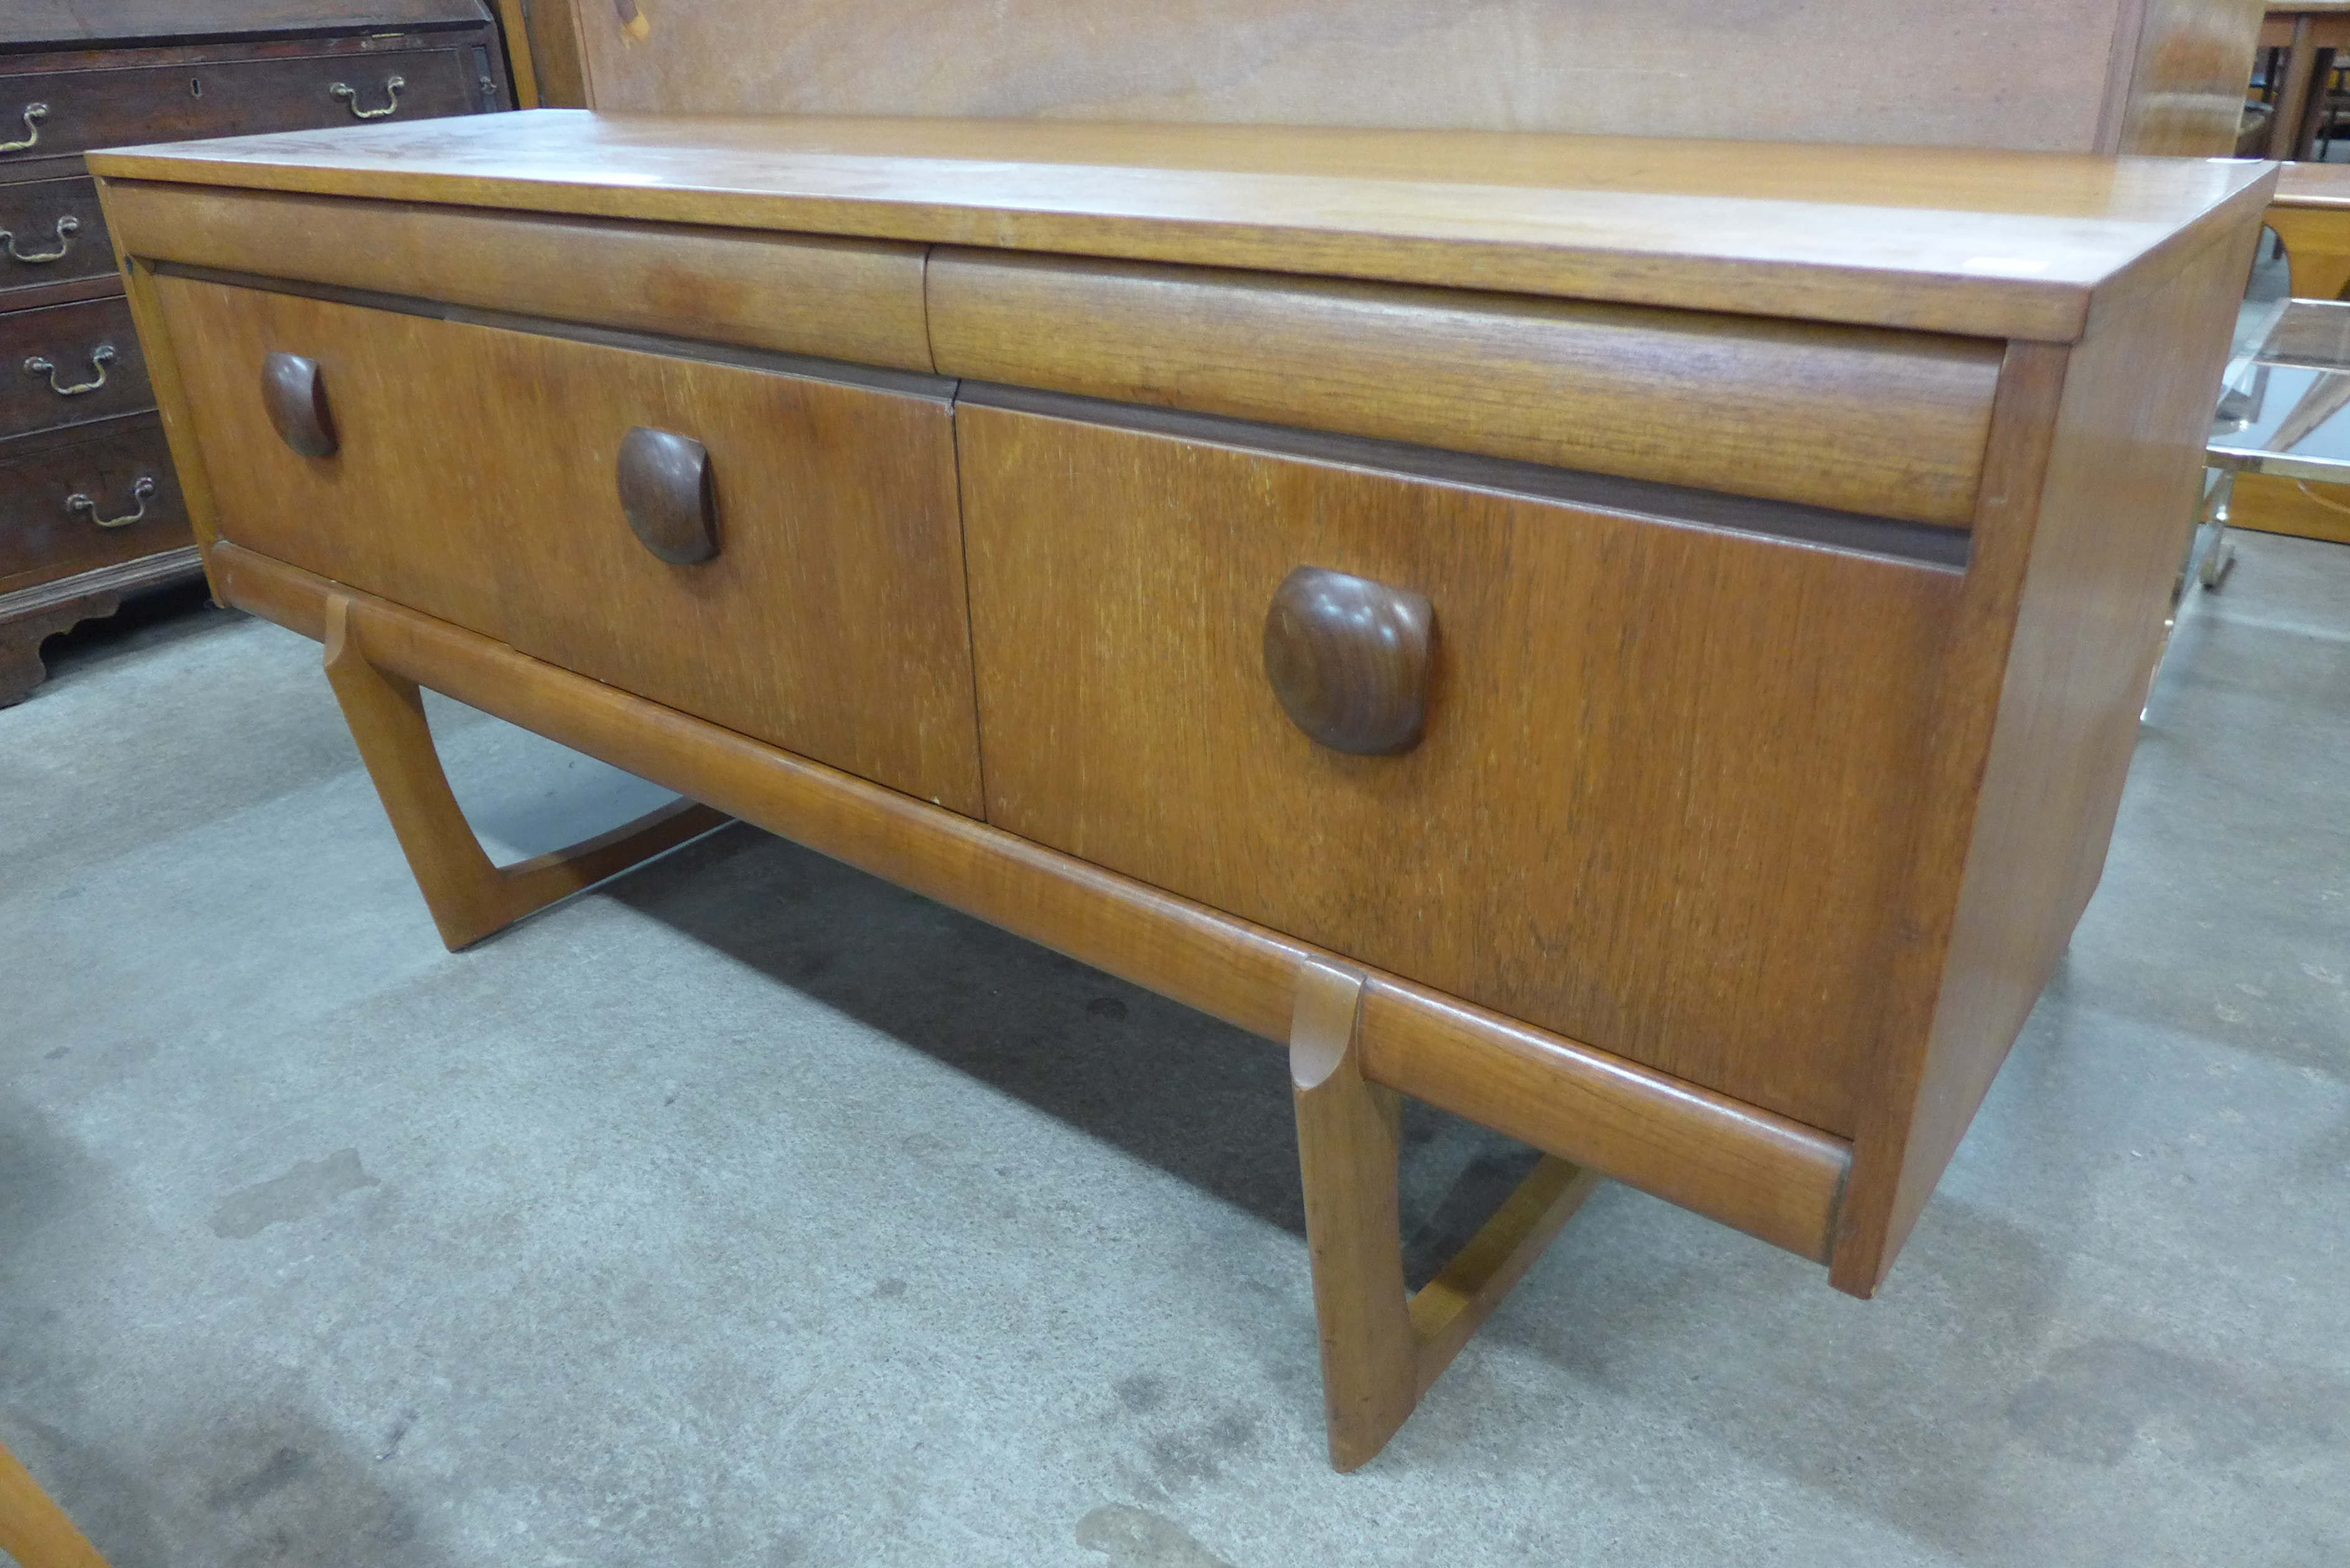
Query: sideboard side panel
point(2114, 508)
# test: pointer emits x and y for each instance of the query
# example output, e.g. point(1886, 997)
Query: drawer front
point(68, 506)
point(476, 479)
point(64, 364)
point(1665, 793)
point(51, 231)
point(1882, 423)
point(859, 300)
point(139, 104)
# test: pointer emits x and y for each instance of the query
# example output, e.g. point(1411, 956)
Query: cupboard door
point(477, 475)
point(1665, 779)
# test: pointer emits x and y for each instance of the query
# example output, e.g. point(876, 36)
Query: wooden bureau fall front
point(1637, 643)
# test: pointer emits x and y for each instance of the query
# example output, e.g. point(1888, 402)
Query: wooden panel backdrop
point(2146, 76)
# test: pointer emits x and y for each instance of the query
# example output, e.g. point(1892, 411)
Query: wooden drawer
point(142, 104)
point(65, 364)
point(55, 232)
point(1667, 793)
point(476, 480)
point(859, 300)
point(120, 474)
point(1880, 422)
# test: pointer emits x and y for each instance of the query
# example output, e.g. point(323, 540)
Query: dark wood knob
point(667, 490)
point(296, 395)
point(1349, 659)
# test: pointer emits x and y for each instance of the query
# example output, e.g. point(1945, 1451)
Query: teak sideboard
point(1637, 643)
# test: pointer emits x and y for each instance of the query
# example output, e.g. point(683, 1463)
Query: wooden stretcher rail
point(1760, 1173)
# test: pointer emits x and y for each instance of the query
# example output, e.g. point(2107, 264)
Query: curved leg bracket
point(1382, 1348)
point(469, 897)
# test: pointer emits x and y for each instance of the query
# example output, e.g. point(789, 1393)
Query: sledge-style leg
point(469, 897)
point(1382, 1349)
point(33, 1530)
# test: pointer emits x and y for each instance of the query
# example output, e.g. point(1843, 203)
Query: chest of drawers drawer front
point(65, 364)
point(1892, 424)
point(73, 500)
point(1665, 794)
point(81, 110)
point(56, 233)
point(857, 300)
point(475, 477)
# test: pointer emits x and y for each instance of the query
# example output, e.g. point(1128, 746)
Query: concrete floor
point(750, 1213)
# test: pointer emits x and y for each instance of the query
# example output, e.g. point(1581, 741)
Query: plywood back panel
point(2032, 75)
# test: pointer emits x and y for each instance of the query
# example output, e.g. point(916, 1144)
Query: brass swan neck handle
point(66, 228)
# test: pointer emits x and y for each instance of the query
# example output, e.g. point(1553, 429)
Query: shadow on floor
point(1193, 1097)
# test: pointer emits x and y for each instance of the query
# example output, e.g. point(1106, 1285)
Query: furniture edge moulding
point(2041, 713)
point(1745, 1167)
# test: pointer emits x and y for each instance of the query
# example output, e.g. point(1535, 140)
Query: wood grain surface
point(1380, 1350)
point(469, 897)
point(844, 299)
point(831, 620)
point(1760, 1173)
point(94, 367)
point(1740, 826)
point(2055, 75)
point(2315, 232)
point(1664, 799)
point(2273, 506)
point(1712, 402)
point(2178, 87)
point(1349, 660)
point(1349, 1133)
point(46, 607)
point(33, 1531)
point(2312, 186)
point(89, 22)
point(104, 460)
point(106, 108)
point(31, 212)
point(2096, 455)
point(185, 454)
point(1980, 244)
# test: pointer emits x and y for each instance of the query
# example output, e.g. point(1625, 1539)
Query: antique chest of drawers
point(89, 506)
point(1635, 643)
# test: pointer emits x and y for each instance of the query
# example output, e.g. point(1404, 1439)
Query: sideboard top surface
point(2001, 245)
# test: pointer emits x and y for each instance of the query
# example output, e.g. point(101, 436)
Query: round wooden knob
point(296, 398)
point(1349, 659)
point(669, 494)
